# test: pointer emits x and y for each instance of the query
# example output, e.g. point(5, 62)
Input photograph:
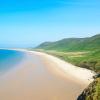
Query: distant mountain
point(73, 44)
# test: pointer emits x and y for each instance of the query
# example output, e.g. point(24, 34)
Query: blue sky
point(26, 23)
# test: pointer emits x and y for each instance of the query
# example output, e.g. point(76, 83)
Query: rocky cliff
point(92, 92)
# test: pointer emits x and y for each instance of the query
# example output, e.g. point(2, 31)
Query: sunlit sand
point(43, 77)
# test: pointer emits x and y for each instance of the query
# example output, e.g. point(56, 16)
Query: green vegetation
point(92, 92)
point(82, 52)
point(89, 60)
point(73, 44)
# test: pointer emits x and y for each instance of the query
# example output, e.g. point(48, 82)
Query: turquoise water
point(9, 58)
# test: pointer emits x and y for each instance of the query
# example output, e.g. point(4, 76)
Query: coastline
point(77, 72)
point(44, 75)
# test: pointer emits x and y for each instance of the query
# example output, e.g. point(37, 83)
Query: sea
point(9, 58)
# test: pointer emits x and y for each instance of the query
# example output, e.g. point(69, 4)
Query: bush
point(88, 64)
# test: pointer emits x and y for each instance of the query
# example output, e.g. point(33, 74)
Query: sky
point(27, 23)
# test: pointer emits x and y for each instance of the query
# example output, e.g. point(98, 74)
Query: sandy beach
point(40, 76)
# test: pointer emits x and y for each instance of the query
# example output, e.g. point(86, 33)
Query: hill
point(82, 52)
point(73, 44)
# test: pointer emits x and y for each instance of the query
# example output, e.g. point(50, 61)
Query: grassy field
point(83, 52)
point(85, 59)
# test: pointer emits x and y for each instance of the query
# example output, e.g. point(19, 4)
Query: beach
point(40, 76)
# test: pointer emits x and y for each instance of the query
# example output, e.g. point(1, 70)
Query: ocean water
point(9, 58)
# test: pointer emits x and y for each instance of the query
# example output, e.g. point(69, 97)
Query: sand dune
point(43, 77)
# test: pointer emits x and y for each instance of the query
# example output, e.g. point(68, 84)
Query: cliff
point(92, 92)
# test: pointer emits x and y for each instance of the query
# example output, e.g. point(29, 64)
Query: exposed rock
point(92, 92)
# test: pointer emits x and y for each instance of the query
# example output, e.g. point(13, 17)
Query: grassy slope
point(83, 52)
point(73, 44)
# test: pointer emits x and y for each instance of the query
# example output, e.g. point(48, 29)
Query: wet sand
point(43, 77)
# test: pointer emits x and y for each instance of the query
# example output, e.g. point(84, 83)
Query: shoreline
point(44, 75)
point(77, 72)
point(82, 74)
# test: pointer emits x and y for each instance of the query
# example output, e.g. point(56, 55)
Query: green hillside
point(82, 52)
point(73, 44)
